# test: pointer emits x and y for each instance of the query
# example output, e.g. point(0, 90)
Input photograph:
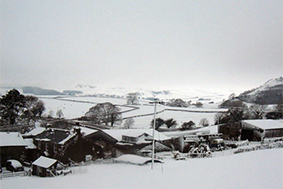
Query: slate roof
point(58, 136)
point(11, 139)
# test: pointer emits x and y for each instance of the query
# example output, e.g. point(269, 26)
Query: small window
point(46, 147)
point(54, 148)
point(39, 145)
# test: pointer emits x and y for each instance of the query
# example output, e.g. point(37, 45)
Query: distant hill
point(270, 92)
point(40, 91)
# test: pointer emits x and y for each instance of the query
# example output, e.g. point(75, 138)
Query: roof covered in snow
point(265, 124)
point(30, 144)
point(35, 131)
point(15, 163)
point(44, 162)
point(87, 131)
point(204, 130)
point(58, 136)
point(117, 134)
point(11, 139)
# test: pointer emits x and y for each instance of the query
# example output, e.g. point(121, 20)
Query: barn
point(257, 129)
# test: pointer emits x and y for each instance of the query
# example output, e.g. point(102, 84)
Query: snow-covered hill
point(164, 94)
point(270, 92)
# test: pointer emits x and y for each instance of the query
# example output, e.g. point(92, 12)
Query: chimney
point(77, 130)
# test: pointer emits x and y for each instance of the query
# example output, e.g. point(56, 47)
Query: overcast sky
point(235, 44)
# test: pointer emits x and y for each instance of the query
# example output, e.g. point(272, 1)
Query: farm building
point(182, 140)
point(31, 150)
point(257, 129)
point(12, 146)
point(62, 144)
point(126, 141)
point(44, 167)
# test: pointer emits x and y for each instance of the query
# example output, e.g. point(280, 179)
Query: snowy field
point(74, 107)
point(257, 169)
point(180, 117)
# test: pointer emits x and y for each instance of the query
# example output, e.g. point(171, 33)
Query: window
point(129, 139)
point(46, 147)
point(54, 148)
point(39, 145)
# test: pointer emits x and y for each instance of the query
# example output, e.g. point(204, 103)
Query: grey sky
point(157, 44)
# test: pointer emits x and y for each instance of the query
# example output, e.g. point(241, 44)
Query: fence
point(13, 174)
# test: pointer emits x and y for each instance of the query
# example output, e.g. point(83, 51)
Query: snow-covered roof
point(117, 134)
point(30, 144)
point(265, 124)
point(205, 130)
point(44, 162)
point(11, 139)
point(15, 163)
point(35, 131)
point(55, 135)
point(87, 131)
point(67, 138)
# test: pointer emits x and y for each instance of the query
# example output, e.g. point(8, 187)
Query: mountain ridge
point(271, 92)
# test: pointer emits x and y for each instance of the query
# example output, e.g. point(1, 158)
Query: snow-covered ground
point(257, 169)
point(74, 107)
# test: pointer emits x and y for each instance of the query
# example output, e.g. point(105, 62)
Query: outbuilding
point(44, 167)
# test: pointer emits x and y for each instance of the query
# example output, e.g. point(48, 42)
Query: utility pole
point(154, 122)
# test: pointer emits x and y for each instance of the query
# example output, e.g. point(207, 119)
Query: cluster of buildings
point(45, 148)
point(49, 146)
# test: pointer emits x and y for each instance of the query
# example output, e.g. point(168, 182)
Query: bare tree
point(104, 113)
point(129, 123)
point(257, 111)
point(204, 122)
point(33, 107)
point(132, 98)
point(59, 113)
